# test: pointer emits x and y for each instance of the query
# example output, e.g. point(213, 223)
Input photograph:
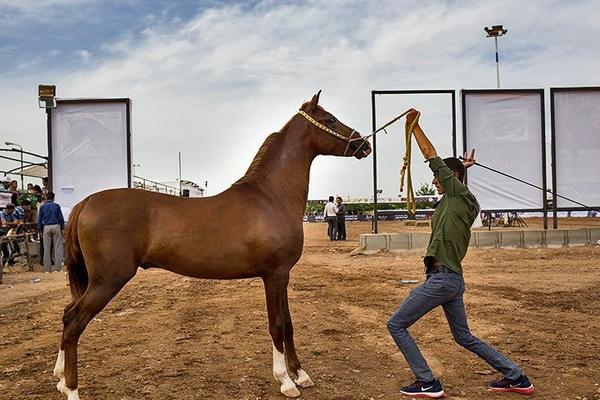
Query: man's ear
point(312, 106)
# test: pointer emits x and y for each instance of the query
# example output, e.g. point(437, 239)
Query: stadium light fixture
point(496, 31)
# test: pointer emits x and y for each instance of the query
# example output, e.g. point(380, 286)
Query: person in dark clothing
point(330, 216)
point(340, 219)
point(444, 285)
point(51, 224)
point(8, 221)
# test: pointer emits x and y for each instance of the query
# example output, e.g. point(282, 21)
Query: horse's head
point(329, 135)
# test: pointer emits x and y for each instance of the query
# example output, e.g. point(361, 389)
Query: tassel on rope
point(411, 203)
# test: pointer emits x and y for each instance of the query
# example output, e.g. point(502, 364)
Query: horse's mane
point(258, 158)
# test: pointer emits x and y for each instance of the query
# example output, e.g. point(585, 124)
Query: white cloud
point(83, 55)
point(215, 86)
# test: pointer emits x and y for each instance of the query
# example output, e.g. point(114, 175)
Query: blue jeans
point(442, 289)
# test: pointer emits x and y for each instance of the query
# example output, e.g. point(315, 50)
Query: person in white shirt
point(331, 218)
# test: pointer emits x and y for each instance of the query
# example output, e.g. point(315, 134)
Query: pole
point(497, 62)
point(180, 193)
point(375, 217)
point(22, 180)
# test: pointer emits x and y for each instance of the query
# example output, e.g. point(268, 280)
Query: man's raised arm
point(424, 144)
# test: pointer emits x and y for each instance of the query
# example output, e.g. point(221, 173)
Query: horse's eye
point(331, 120)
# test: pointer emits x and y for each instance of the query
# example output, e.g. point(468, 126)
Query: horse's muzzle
point(363, 149)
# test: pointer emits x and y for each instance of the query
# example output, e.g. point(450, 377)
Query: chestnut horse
point(253, 229)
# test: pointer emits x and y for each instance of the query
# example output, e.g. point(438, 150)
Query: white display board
point(89, 148)
point(506, 129)
point(576, 138)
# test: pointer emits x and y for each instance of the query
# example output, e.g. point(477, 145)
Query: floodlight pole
point(180, 192)
point(497, 62)
point(495, 31)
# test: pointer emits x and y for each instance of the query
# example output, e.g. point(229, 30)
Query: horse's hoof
point(61, 386)
point(290, 391)
point(304, 380)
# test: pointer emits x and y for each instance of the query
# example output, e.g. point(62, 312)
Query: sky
point(211, 79)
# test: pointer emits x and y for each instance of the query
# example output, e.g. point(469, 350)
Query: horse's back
point(231, 235)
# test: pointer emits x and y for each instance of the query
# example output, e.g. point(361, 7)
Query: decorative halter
point(347, 139)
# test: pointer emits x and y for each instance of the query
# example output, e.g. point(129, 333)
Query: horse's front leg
point(302, 378)
point(276, 293)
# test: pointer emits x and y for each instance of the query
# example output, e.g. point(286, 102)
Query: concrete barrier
point(483, 239)
point(594, 235)
point(398, 241)
point(488, 239)
point(556, 238)
point(576, 237)
point(534, 238)
point(511, 239)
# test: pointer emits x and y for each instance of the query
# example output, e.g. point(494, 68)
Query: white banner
point(89, 150)
point(505, 128)
point(577, 141)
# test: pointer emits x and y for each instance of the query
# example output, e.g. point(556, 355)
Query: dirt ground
point(170, 337)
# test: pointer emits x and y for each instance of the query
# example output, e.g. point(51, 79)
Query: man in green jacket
point(444, 286)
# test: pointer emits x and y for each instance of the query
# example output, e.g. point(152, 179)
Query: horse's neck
point(285, 169)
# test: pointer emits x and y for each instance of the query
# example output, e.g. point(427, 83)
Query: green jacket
point(452, 220)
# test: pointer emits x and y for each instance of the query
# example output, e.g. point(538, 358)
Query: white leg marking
point(288, 387)
point(71, 394)
point(304, 380)
point(59, 367)
point(61, 386)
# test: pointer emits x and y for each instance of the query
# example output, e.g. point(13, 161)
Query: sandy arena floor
point(170, 337)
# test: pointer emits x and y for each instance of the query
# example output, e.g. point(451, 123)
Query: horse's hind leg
point(59, 366)
point(302, 378)
point(276, 292)
point(75, 320)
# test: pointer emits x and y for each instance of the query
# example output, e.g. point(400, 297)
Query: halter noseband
point(347, 139)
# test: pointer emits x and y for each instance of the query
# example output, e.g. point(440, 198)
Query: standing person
point(51, 224)
point(331, 218)
point(14, 190)
point(8, 221)
point(37, 192)
point(5, 195)
point(44, 189)
point(444, 285)
point(340, 219)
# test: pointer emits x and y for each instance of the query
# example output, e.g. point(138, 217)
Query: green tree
point(425, 190)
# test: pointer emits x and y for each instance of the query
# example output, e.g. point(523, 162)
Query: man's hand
point(412, 114)
point(468, 160)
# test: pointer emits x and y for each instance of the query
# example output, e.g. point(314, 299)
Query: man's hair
point(330, 198)
point(50, 195)
point(456, 166)
point(10, 206)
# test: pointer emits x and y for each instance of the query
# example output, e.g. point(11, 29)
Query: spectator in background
point(44, 189)
point(9, 221)
point(330, 216)
point(5, 195)
point(340, 219)
point(51, 224)
point(37, 192)
point(14, 190)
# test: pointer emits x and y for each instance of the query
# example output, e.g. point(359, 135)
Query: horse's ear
point(312, 106)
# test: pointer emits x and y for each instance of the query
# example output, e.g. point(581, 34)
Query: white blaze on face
point(288, 387)
point(59, 367)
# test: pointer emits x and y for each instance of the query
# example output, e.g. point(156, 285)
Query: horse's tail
point(78, 276)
